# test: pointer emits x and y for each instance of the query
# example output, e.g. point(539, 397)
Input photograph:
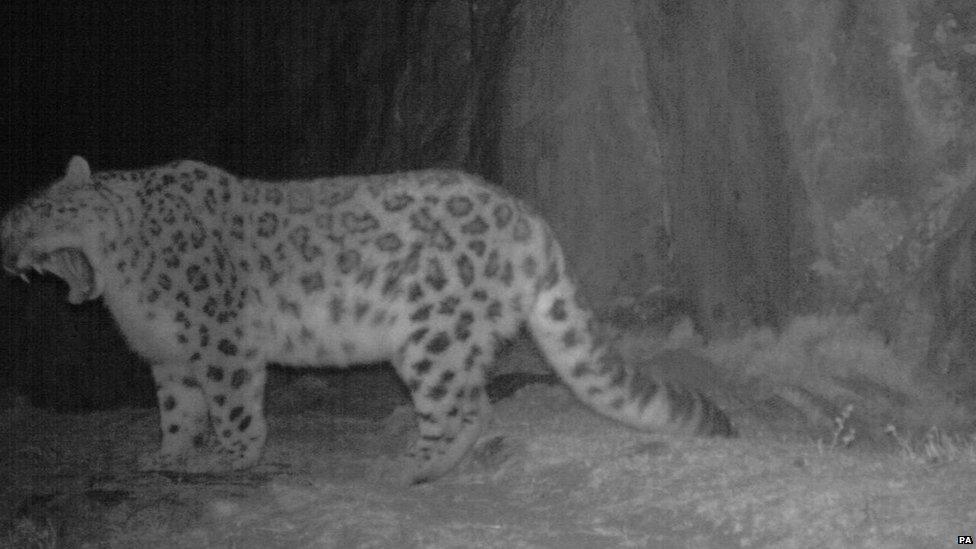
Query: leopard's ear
point(77, 169)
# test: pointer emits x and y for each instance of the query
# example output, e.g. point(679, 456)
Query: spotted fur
point(210, 277)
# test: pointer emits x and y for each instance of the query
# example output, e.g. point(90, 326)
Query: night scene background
point(768, 200)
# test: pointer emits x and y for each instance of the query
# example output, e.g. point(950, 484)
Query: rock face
point(951, 346)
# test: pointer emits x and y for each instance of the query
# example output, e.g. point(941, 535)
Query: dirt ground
point(549, 473)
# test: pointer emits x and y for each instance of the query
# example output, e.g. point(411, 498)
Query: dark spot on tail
point(422, 366)
point(235, 413)
point(439, 343)
point(558, 310)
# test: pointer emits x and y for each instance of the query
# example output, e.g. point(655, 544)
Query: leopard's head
point(52, 232)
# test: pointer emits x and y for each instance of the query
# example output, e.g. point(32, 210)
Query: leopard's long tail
point(598, 375)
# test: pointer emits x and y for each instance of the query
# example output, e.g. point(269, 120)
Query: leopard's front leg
point(235, 396)
point(183, 418)
point(227, 396)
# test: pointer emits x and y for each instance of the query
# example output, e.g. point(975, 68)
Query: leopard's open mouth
point(68, 263)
